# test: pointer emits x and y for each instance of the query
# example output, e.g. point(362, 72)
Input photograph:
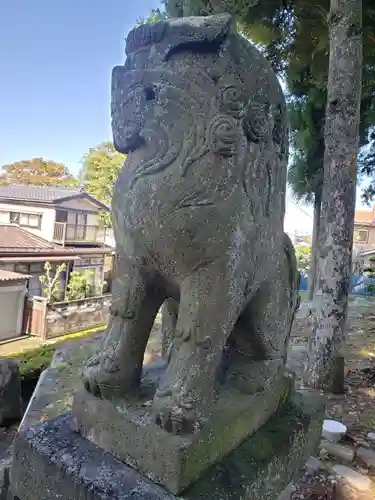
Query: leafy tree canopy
point(39, 172)
point(303, 256)
point(294, 38)
point(100, 169)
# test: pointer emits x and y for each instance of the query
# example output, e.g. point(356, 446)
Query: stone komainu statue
point(198, 215)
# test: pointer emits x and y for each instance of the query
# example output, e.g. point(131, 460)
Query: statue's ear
point(200, 34)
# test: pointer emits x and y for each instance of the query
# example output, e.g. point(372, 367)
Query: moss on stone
point(33, 362)
point(263, 465)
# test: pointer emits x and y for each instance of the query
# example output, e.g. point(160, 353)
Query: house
point(64, 216)
point(54, 224)
point(364, 238)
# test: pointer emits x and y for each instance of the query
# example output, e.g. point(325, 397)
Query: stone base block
point(128, 430)
point(53, 462)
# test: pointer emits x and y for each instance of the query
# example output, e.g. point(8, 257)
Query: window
point(27, 220)
point(36, 267)
point(77, 218)
point(361, 236)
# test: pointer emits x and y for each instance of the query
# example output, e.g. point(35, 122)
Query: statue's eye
point(150, 94)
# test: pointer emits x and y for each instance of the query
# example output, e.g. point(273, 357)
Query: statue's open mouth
point(129, 141)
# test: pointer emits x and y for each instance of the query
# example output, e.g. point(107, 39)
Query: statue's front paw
point(90, 376)
point(100, 375)
point(173, 415)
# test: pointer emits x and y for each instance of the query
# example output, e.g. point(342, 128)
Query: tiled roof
point(13, 238)
point(11, 276)
point(45, 194)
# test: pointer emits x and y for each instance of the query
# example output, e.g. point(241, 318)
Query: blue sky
point(56, 61)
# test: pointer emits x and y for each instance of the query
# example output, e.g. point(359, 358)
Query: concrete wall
point(67, 317)
point(54, 320)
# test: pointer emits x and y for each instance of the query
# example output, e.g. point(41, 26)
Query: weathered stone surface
point(313, 464)
point(287, 493)
point(52, 462)
point(353, 478)
point(129, 432)
point(367, 456)
point(5, 493)
point(198, 216)
point(338, 450)
point(10, 391)
point(57, 384)
point(371, 437)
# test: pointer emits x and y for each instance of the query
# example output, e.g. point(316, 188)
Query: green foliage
point(294, 38)
point(39, 172)
point(79, 286)
point(100, 169)
point(370, 273)
point(154, 16)
point(32, 363)
point(51, 283)
point(307, 116)
point(303, 256)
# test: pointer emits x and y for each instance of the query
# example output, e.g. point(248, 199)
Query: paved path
point(23, 344)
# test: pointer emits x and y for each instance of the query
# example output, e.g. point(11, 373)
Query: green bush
point(79, 286)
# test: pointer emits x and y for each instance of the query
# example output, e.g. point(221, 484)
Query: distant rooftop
point(364, 217)
point(14, 238)
point(11, 276)
point(45, 194)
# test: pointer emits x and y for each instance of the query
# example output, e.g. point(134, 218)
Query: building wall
point(48, 217)
point(370, 243)
point(93, 219)
point(12, 301)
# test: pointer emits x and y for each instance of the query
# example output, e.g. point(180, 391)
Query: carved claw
point(103, 377)
point(90, 377)
point(175, 417)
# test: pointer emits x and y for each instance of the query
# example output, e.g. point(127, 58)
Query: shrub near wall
point(66, 317)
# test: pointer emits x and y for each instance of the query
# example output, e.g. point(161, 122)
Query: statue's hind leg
point(117, 368)
point(259, 340)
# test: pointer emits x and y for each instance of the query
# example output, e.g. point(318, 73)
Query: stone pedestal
point(128, 430)
point(53, 462)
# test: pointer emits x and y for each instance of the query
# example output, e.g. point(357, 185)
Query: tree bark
point(168, 325)
point(338, 197)
point(314, 243)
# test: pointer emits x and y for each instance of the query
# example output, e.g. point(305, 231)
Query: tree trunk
point(315, 240)
point(338, 197)
point(168, 325)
